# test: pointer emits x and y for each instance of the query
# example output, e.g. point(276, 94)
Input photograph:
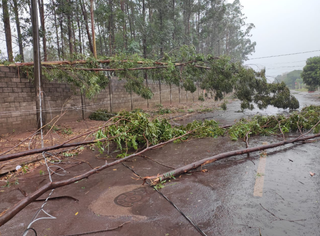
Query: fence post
point(37, 65)
point(160, 90)
point(83, 105)
point(147, 85)
point(179, 93)
point(170, 95)
point(110, 94)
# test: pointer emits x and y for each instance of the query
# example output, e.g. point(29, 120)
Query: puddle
point(118, 201)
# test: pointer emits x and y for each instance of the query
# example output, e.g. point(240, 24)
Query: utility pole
point(37, 63)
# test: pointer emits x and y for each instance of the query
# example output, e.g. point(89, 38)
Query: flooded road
point(268, 193)
point(234, 112)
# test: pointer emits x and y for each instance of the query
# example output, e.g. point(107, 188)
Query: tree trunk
point(43, 29)
point(100, 40)
point(16, 13)
point(133, 21)
point(130, 22)
point(93, 33)
point(161, 31)
point(79, 30)
point(70, 34)
point(111, 29)
point(85, 17)
point(124, 28)
point(74, 35)
point(105, 43)
point(174, 21)
point(144, 36)
point(56, 28)
point(62, 38)
point(7, 29)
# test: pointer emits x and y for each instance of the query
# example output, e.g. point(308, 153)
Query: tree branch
point(8, 214)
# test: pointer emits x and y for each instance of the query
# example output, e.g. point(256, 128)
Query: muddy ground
point(268, 193)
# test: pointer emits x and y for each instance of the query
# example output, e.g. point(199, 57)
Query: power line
point(279, 67)
point(279, 63)
point(283, 55)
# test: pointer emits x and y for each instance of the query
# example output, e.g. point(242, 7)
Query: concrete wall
point(18, 100)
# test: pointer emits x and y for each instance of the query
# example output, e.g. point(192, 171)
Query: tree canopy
point(146, 27)
point(311, 73)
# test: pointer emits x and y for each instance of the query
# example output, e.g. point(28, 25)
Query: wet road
point(266, 194)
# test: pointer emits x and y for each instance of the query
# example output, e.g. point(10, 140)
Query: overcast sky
point(283, 27)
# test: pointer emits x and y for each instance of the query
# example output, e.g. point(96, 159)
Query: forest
point(149, 28)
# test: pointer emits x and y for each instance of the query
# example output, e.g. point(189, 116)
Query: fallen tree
point(45, 149)
point(184, 169)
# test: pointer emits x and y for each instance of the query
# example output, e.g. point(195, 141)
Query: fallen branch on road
point(8, 214)
point(181, 170)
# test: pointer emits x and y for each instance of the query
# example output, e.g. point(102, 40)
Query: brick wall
point(18, 100)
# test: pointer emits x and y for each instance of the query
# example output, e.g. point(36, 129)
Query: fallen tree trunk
point(58, 146)
point(39, 150)
point(110, 69)
point(181, 170)
point(80, 62)
point(8, 214)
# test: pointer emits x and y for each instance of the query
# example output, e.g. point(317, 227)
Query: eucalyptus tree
point(237, 33)
point(7, 29)
point(16, 7)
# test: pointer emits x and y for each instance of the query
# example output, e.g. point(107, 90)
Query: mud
point(220, 201)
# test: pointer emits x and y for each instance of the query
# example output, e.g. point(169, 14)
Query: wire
point(26, 231)
point(279, 67)
point(165, 197)
point(288, 62)
point(41, 209)
point(283, 55)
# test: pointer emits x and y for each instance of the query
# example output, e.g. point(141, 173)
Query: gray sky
point(283, 27)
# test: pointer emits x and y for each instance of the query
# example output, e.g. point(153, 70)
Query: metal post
point(170, 95)
point(160, 90)
point(110, 95)
point(83, 105)
point(37, 63)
